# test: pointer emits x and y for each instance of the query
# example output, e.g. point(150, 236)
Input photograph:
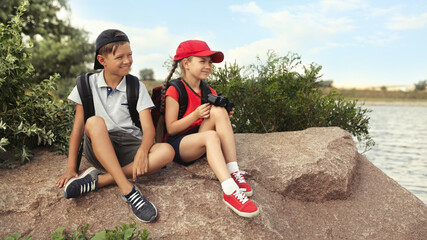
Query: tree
point(40, 17)
point(69, 58)
point(58, 46)
point(421, 85)
point(29, 116)
point(146, 74)
point(325, 83)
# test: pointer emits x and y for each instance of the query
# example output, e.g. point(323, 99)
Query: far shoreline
point(392, 102)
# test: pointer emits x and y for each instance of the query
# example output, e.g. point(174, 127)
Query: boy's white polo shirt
point(112, 104)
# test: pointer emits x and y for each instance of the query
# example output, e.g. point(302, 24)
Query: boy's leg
point(104, 151)
point(97, 131)
point(220, 122)
point(160, 155)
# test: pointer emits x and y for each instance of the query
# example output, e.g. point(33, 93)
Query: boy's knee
point(168, 151)
point(93, 123)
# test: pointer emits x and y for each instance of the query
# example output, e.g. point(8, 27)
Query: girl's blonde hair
point(160, 130)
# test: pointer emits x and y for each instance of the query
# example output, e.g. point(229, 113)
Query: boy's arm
point(75, 139)
point(140, 165)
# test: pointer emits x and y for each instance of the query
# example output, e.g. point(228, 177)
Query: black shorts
point(124, 144)
point(175, 141)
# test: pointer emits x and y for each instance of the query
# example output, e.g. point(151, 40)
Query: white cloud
point(299, 27)
point(404, 23)
point(379, 39)
point(247, 54)
point(342, 5)
point(150, 47)
point(385, 11)
point(251, 7)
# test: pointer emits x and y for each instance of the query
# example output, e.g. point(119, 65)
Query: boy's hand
point(140, 164)
point(64, 178)
point(203, 110)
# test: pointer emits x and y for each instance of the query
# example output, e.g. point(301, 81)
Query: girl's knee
point(211, 136)
point(216, 112)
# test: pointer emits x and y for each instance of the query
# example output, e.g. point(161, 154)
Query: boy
point(112, 142)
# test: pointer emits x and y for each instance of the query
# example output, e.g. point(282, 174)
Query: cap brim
point(216, 56)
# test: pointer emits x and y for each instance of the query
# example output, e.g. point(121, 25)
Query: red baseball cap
point(199, 49)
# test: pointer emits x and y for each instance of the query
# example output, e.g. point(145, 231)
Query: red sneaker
point(241, 204)
point(241, 182)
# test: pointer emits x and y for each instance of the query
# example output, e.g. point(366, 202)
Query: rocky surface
point(310, 184)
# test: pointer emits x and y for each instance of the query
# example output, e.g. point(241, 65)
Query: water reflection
point(400, 133)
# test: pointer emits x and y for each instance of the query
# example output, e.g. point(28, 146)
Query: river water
point(400, 132)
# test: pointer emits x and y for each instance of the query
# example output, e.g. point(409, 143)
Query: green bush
point(283, 95)
point(29, 115)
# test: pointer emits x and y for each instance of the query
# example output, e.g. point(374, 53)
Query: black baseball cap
point(106, 37)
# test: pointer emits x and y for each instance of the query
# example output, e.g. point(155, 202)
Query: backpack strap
point(86, 97)
point(132, 93)
point(85, 93)
point(205, 91)
point(183, 96)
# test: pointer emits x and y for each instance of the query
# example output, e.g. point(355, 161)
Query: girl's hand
point(140, 164)
point(203, 110)
point(230, 114)
point(64, 178)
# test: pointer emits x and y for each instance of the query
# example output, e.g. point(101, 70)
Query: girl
point(204, 128)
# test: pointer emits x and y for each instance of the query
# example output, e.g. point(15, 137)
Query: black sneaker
point(87, 182)
point(141, 207)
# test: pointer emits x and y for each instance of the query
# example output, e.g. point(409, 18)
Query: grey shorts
point(124, 144)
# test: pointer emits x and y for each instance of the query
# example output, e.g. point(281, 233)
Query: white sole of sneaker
point(242, 214)
point(81, 176)
point(249, 194)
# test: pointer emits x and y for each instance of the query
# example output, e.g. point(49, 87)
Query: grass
point(367, 95)
point(152, 84)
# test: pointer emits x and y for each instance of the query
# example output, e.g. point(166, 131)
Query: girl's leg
point(220, 122)
point(97, 131)
point(213, 136)
point(195, 145)
point(160, 155)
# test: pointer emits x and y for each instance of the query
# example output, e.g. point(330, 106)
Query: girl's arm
point(140, 165)
point(175, 126)
point(73, 150)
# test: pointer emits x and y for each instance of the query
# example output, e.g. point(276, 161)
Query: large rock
point(309, 184)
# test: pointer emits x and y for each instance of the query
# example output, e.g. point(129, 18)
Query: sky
point(358, 43)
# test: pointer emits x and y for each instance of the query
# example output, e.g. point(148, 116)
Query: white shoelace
point(136, 200)
point(241, 196)
point(87, 187)
point(239, 177)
